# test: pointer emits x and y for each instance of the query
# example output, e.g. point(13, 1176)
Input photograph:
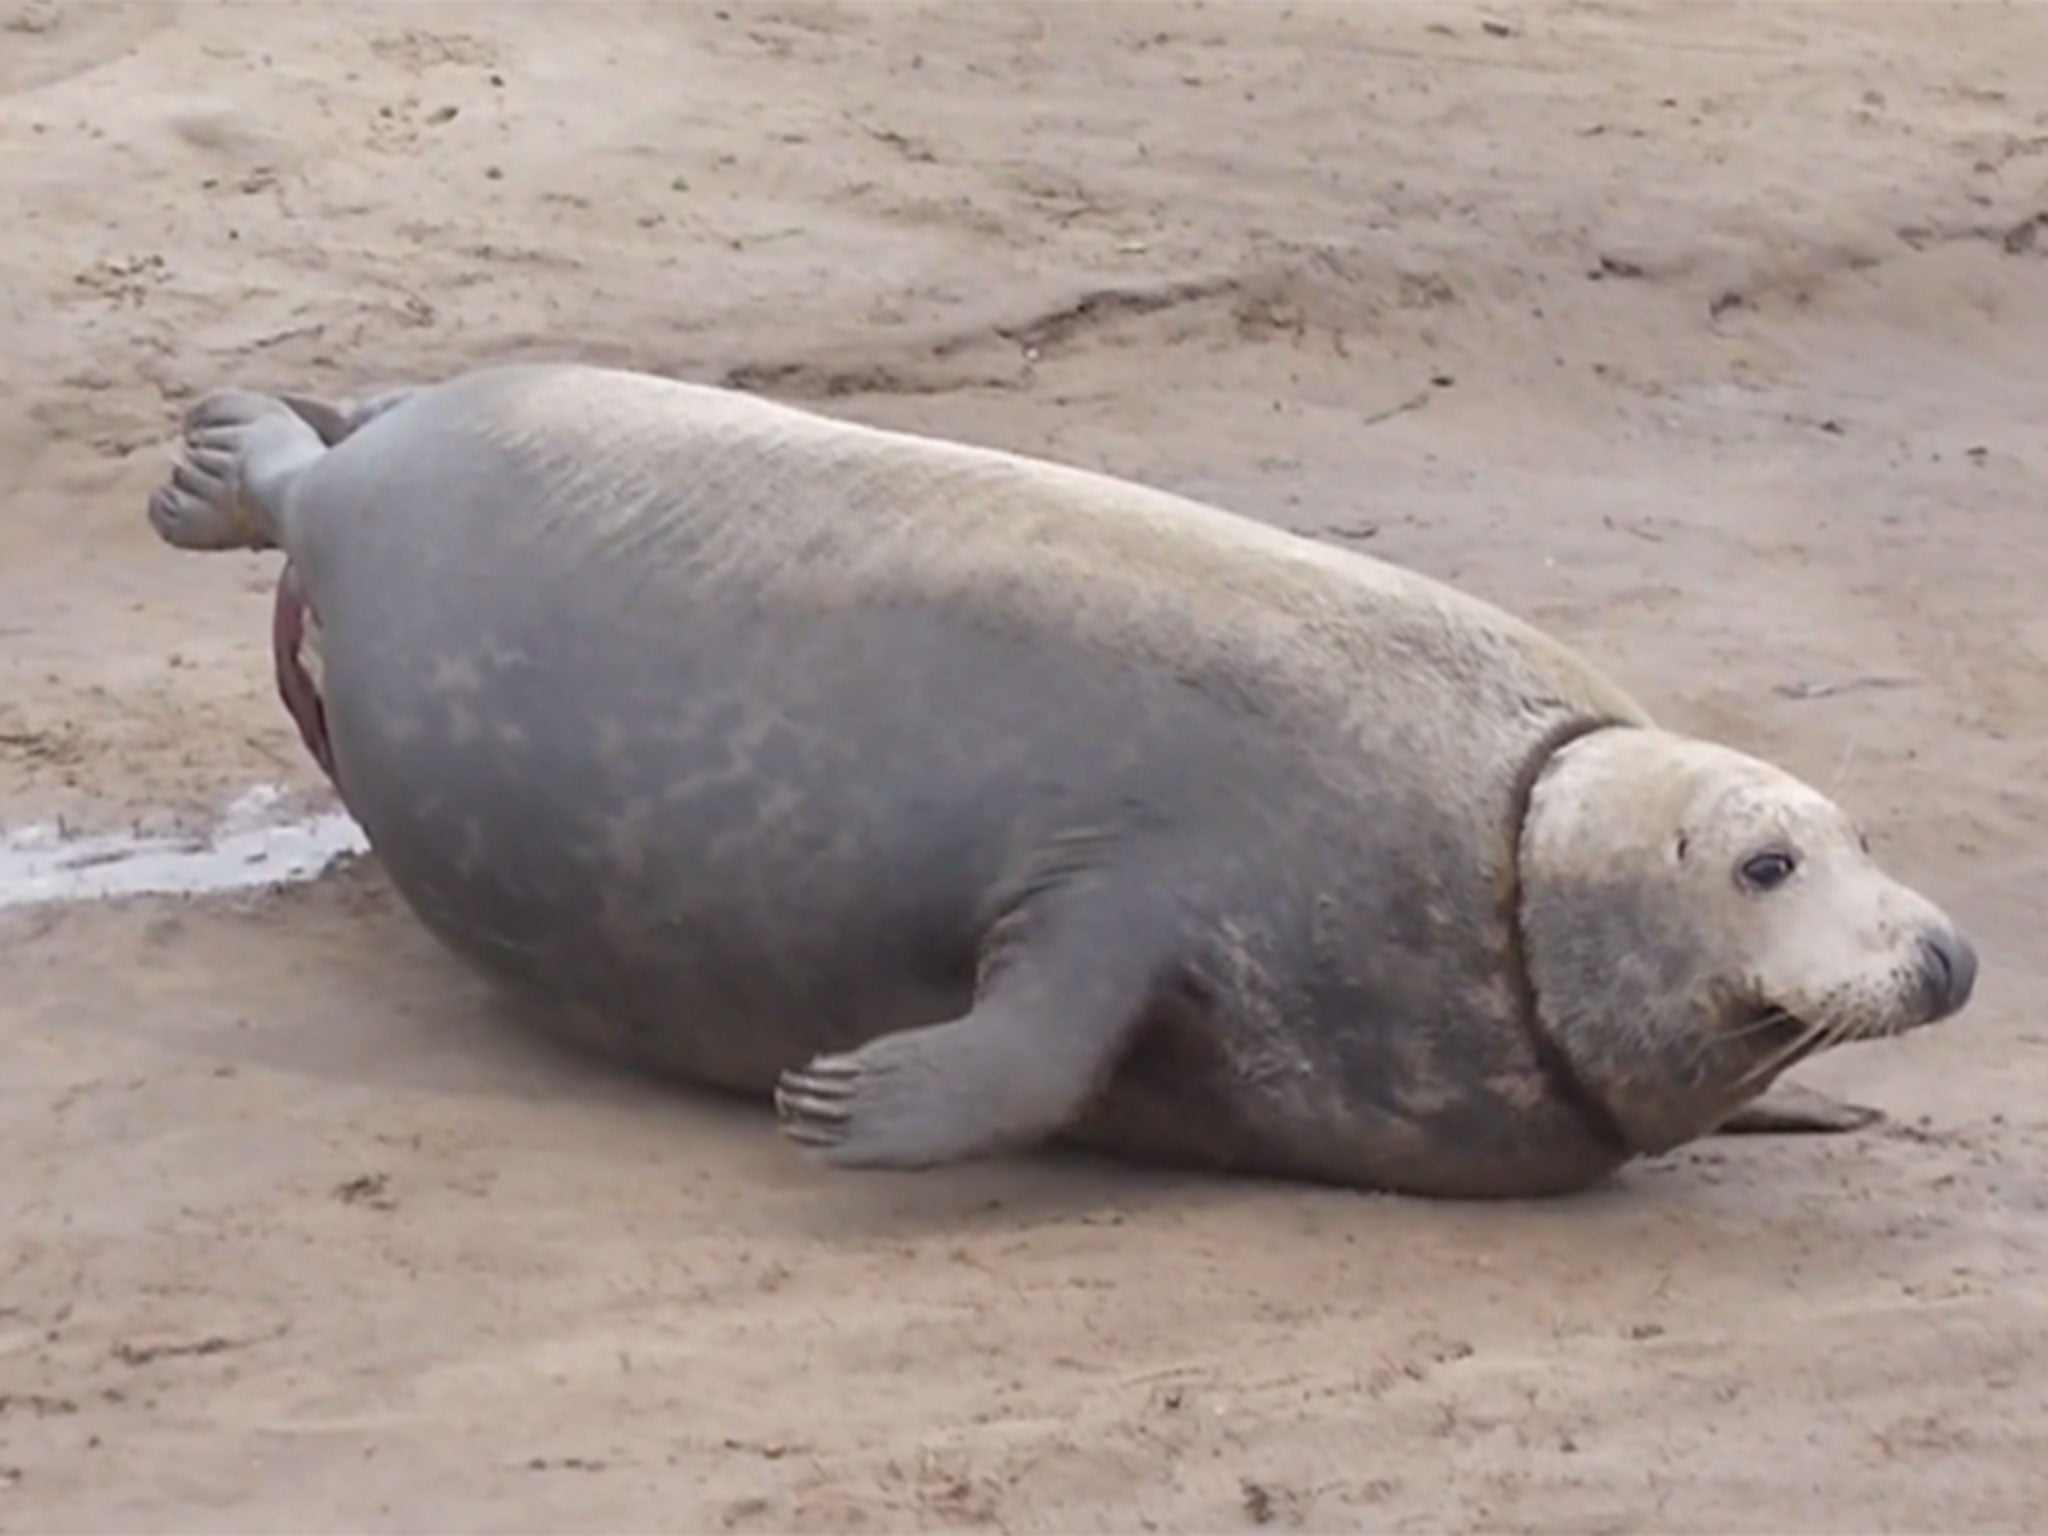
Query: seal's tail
point(240, 454)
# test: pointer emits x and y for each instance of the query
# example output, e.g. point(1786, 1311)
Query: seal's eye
point(1767, 871)
point(1683, 844)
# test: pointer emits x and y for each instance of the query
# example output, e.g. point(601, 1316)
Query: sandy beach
point(1714, 338)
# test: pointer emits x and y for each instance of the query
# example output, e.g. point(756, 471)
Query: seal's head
point(1695, 921)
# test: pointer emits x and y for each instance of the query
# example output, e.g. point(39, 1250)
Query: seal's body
point(963, 799)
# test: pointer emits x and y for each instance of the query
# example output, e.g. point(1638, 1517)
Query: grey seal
point(964, 801)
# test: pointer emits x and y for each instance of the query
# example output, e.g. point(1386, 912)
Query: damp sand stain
point(257, 842)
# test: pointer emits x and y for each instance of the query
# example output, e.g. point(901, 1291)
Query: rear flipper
point(335, 420)
point(1789, 1110)
point(241, 453)
point(1047, 1029)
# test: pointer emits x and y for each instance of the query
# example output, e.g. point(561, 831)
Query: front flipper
point(1063, 996)
point(1790, 1110)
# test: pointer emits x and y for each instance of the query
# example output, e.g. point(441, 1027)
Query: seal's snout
point(1948, 965)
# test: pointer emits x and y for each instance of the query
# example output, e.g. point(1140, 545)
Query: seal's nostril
point(1951, 966)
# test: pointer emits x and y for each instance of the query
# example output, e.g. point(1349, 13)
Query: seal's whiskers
point(1810, 1038)
point(1843, 765)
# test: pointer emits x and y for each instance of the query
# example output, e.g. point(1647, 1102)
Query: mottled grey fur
point(961, 799)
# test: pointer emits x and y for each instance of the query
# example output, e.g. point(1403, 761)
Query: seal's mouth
point(1778, 1039)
